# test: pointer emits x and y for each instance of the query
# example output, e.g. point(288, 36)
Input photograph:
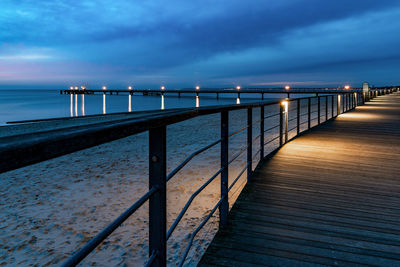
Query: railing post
point(286, 110)
point(280, 125)
point(319, 110)
point(158, 201)
point(338, 108)
point(309, 113)
point(344, 104)
point(332, 104)
point(326, 108)
point(262, 133)
point(298, 115)
point(224, 207)
point(249, 143)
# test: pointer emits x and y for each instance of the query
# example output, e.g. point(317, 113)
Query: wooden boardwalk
point(329, 197)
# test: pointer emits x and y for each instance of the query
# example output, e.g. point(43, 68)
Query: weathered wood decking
point(329, 197)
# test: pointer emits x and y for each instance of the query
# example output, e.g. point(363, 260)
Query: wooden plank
point(329, 197)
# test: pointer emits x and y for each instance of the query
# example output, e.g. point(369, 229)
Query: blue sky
point(58, 43)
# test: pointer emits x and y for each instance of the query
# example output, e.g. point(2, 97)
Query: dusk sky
point(53, 44)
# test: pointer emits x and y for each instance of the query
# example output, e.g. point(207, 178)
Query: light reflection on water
point(130, 103)
point(104, 103)
point(76, 105)
point(72, 105)
point(83, 105)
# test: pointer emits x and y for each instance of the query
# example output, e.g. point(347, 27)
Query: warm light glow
point(162, 102)
point(83, 87)
point(163, 87)
point(238, 87)
point(197, 87)
point(197, 101)
point(238, 100)
point(287, 87)
point(71, 88)
point(130, 87)
point(285, 104)
point(76, 88)
point(347, 87)
point(104, 88)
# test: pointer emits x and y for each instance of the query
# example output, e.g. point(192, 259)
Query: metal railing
point(327, 107)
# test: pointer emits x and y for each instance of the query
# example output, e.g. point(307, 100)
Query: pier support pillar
point(365, 91)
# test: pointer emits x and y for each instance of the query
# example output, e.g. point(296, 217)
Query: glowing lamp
point(71, 88)
point(76, 88)
point(347, 87)
point(163, 87)
point(104, 88)
point(130, 87)
point(197, 87)
point(285, 105)
point(238, 87)
point(287, 87)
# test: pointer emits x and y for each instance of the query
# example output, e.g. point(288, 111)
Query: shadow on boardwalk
point(329, 197)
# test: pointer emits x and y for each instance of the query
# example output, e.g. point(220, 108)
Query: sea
point(21, 105)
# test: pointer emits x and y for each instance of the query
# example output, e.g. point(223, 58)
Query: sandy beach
point(51, 209)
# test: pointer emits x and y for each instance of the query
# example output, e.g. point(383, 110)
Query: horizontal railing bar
point(267, 117)
point(292, 119)
point(269, 129)
point(238, 177)
point(273, 139)
point(68, 140)
point(238, 131)
point(94, 242)
point(150, 261)
point(238, 154)
point(193, 235)
point(256, 154)
point(292, 129)
point(258, 136)
point(177, 169)
point(187, 205)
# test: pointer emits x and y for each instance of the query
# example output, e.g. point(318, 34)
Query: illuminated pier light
point(129, 87)
point(347, 87)
point(287, 87)
point(163, 87)
point(238, 100)
point(285, 104)
point(76, 87)
point(104, 88)
point(197, 101)
point(238, 87)
point(162, 102)
point(197, 87)
point(71, 88)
